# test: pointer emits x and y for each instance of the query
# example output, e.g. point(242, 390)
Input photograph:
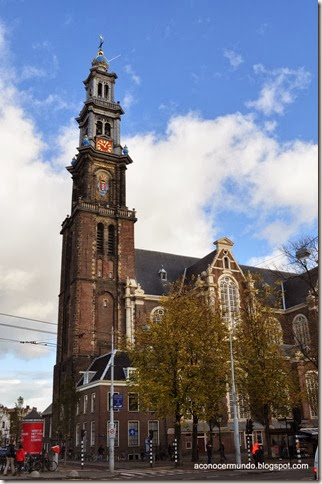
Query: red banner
point(31, 437)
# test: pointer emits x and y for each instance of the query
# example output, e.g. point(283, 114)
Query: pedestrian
point(222, 452)
point(209, 451)
point(100, 452)
point(20, 458)
point(170, 451)
point(260, 454)
point(255, 453)
point(10, 458)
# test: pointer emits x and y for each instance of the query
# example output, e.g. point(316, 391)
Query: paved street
point(167, 472)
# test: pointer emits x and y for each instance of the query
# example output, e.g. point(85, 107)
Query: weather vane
point(101, 42)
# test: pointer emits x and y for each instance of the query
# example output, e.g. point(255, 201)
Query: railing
point(95, 207)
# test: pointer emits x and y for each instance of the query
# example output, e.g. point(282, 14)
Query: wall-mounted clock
point(104, 145)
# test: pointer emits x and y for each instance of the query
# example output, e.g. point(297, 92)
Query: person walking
point(20, 458)
point(255, 454)
point(10, 458)
point(100, 452)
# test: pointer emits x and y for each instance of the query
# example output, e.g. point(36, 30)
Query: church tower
point(98, 236)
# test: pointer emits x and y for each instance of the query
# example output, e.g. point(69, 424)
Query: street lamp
point(233, 391)
point(111, 427)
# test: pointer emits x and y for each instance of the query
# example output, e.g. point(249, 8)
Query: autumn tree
point(64, 410)
point(16, 419)
point(264, 374)
point(181, 359)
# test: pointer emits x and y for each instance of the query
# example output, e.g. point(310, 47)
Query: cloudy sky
point(221, 122)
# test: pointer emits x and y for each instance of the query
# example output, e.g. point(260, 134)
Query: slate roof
point(147, 266)
point(148, 263)
point(99, 365)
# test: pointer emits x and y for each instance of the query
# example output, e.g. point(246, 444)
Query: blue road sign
point(117, 401)
point(133, 432)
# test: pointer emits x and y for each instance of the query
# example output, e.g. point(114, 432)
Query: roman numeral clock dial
point(104, 145)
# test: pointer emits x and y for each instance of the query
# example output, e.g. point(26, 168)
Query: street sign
point(117, 401)
point(133, 432)
point(111, 433)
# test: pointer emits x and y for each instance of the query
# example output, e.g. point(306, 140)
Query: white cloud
point(33, 387)
point(135, 78)
point(276, 260)
point(280, 88)
point(234, 59)
point(30, 72)
point(128, 100)
point(195, 164)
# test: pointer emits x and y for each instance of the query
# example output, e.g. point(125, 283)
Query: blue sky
point(221, 122)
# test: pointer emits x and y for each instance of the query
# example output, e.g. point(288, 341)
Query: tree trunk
point(267, 431)
point(177, 435)
point(195, 453)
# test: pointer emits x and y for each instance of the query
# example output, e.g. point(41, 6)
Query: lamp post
point(233, 391)
point(111, 427)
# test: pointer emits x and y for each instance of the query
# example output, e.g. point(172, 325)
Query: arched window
point(226, 263)
point(301, 330)
point(157, 314)
point(111, 240)
point(99, 89)
point(107, 129)
point(99, 127)
point(106, 91)
point(100, 238)
point(311, 380)
point(276, 332)
point(229, 298)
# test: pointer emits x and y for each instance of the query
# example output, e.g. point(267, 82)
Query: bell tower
point(98, 236)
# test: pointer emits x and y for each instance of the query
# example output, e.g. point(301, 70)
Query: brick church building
point(107, 284)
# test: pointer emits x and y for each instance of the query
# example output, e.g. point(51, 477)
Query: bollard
point(175, 444)
point(151, 453)
point(82, 454)
point(298, 449)
point(248, 448)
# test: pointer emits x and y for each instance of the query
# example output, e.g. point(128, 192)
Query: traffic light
point(249, 426)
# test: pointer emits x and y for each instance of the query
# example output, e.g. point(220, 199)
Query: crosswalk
point(146, 473)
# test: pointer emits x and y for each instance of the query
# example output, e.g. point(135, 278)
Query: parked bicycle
point(40, 463)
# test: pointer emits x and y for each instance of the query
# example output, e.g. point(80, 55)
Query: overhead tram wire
point(27, 329)
point(27, 319)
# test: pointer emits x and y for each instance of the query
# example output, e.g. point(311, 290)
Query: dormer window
point(163, 274)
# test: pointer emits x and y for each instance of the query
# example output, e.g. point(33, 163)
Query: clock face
point(104, 145)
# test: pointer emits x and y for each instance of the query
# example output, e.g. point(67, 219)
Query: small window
point(157, 314)
point(163, 274)
point(92, 434)
point(100, 238)
point(99, 89)
point(106, 91)
point(85, 403)
point(99, 127)
point(133, 433)
point(153, 431)
point(107, 129)
point(111, 240)
point(133, 402)
point(226, 263)
point(105, 303)
point(93, 398)
point(99, 267)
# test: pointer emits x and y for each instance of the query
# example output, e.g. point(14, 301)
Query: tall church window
point(99, 89)
point(229, 299)
point(106, 91)
point(111, 240)
point(99, 127)
point(301, 330)
point(226, 263)
point(311, 380)
point(107, 129)
point(100, 238)
point(157, 314)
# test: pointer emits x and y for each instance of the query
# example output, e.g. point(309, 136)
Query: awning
point(310, 431)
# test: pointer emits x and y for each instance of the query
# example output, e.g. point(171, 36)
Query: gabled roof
point(148, 264)
point(102, 369)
